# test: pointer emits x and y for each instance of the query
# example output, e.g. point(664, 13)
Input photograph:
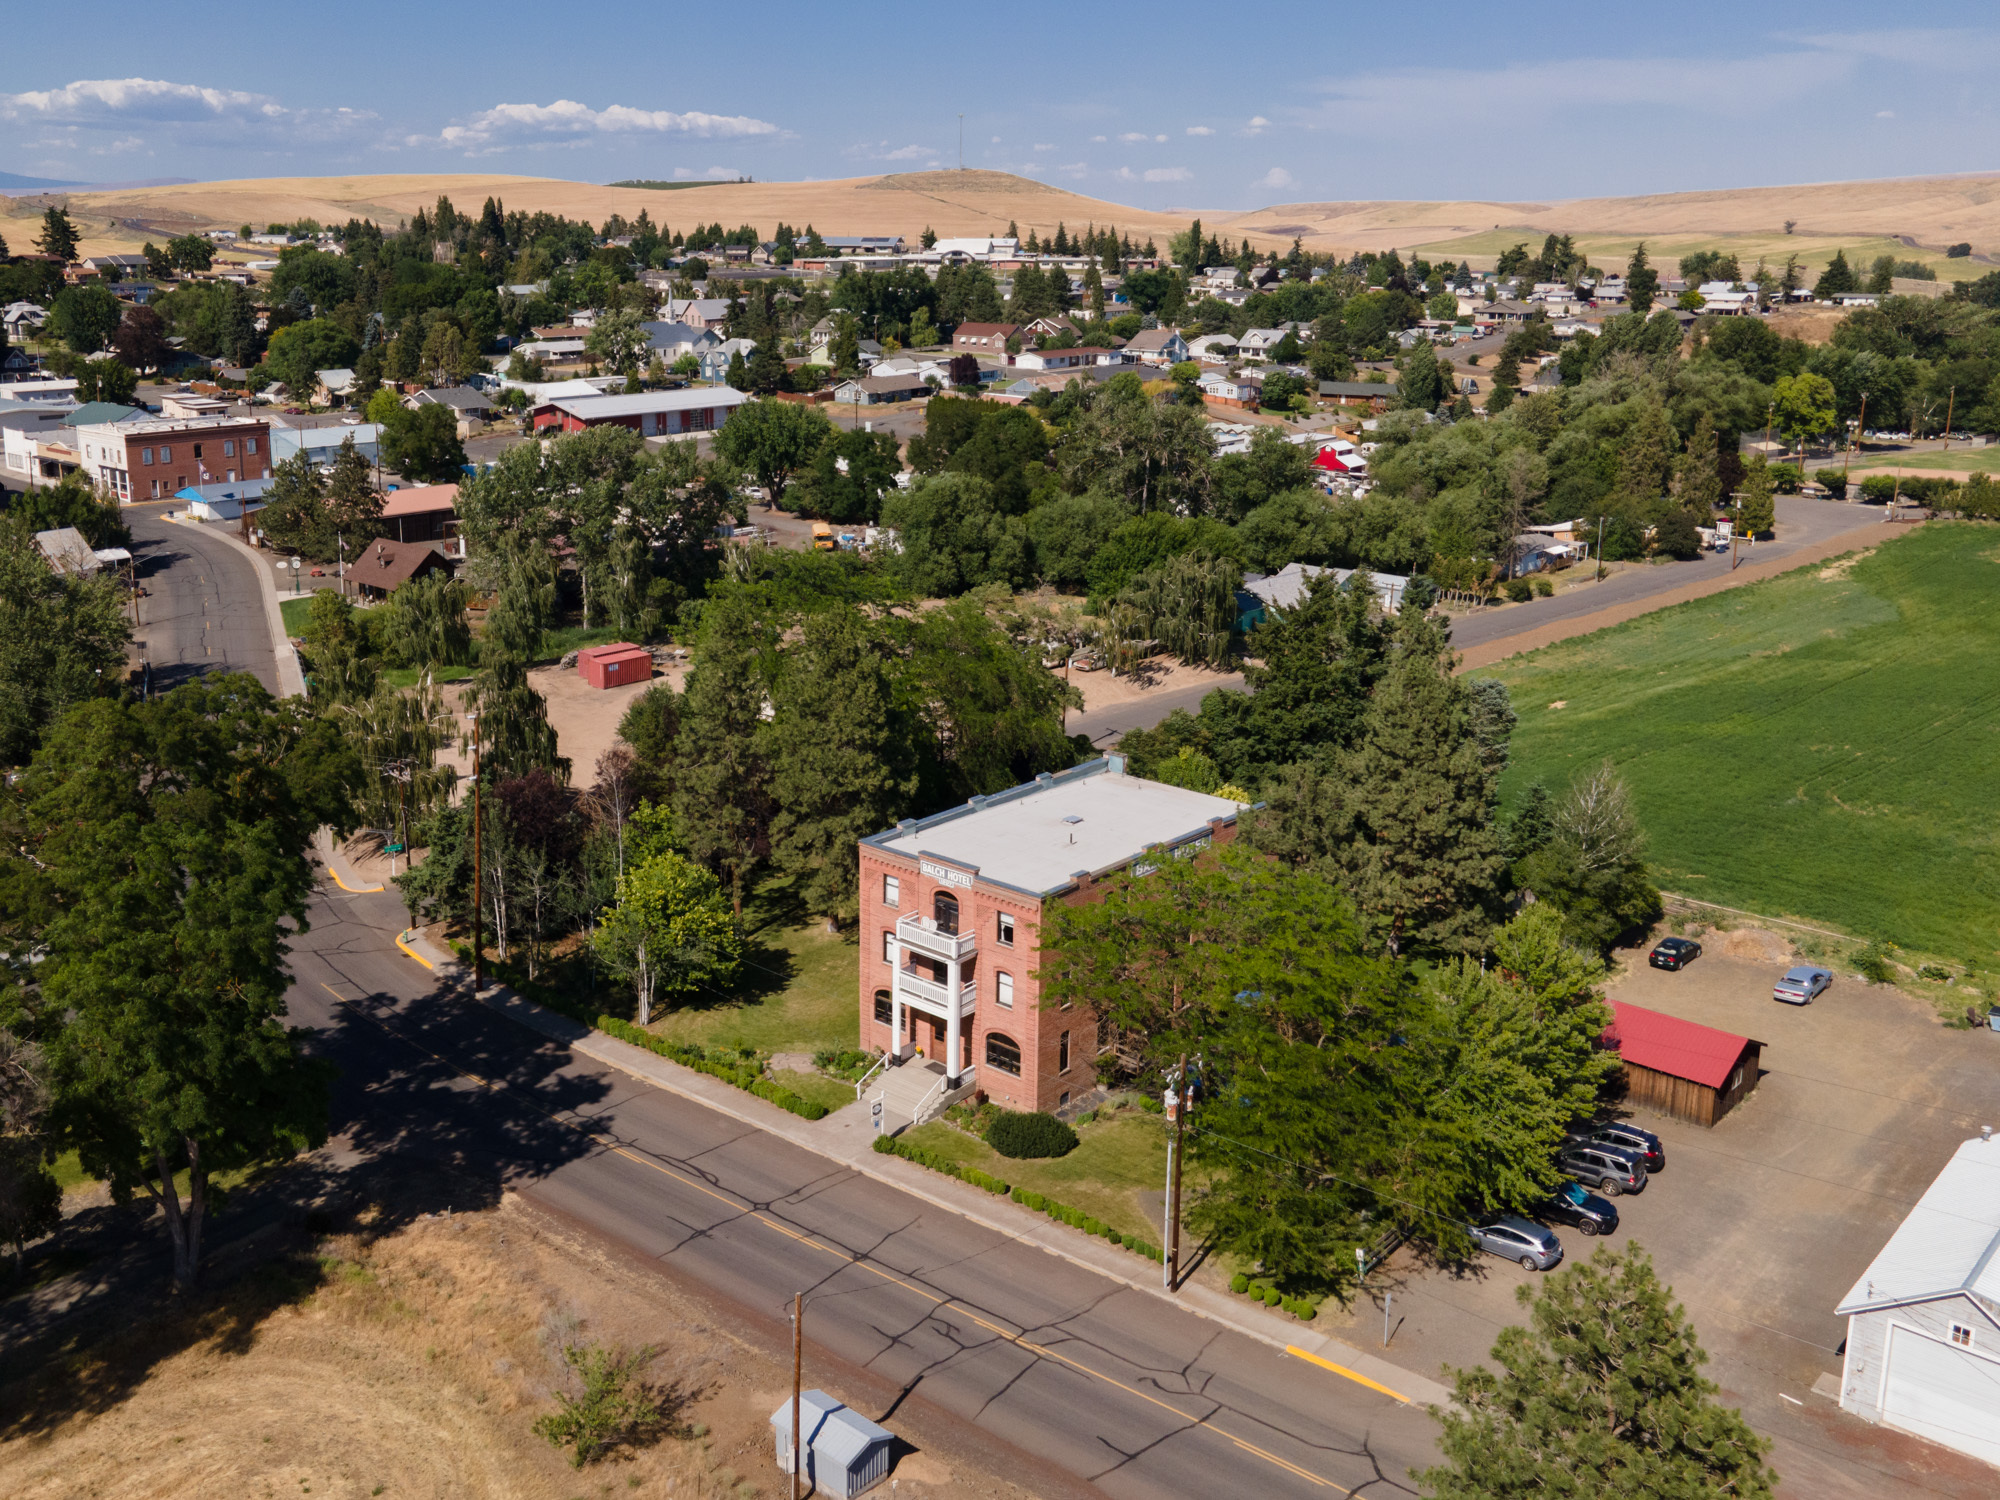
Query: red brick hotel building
point(951, 914)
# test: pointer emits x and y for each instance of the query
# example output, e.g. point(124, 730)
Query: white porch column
point(951, 1047)
point(896, 1005)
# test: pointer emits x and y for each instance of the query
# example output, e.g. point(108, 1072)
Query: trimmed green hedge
point(1019, 1133)
point(1270, 1296)
point(728, 1067)
point(888, 1145)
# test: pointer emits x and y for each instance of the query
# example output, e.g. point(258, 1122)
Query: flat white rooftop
point(1039, 836)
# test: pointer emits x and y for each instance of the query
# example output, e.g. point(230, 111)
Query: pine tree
point(1425, 858)
point(58, 236)
point(722, 799)
point(1757, 511)
point(1701, 476)
point(1836, 279)
point(1645, 457)
point(1600, 1397)
point(1642, 282)
point(840, 762)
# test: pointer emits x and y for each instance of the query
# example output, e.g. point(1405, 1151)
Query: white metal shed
point(846, 1454)
point(1923, 1322)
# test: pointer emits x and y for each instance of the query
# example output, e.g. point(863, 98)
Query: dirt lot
point(413, 1365)
point(1762, 1223)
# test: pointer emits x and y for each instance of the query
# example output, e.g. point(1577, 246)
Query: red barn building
point(951, 915)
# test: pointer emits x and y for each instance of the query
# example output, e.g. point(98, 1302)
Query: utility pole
point(798, 1363)
point(1178, 1101)
point(1951, 398)
point(478, 959)
point(1600, 550)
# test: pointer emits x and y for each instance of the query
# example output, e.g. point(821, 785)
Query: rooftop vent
point(1072, 818)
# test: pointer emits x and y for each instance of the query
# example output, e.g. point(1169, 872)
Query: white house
point(1067, 359)
point(1257, 343)
point(22, 320)
point(1157, 346)
point(697, 312)
point(1212, 346)
point(1923, 1322)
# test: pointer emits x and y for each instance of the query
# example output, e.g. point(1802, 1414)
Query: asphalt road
point(1801, 523)
point(1102, 1383)
point(203, 610)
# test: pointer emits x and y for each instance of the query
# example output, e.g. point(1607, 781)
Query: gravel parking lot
point(1762, 1223)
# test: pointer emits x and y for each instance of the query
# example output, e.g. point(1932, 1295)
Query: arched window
point(944, 908)
point(884, 1011)
point(1003, 1054)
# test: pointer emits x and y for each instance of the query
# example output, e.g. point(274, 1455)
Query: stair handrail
point(880, 1063)
point(965, 1080)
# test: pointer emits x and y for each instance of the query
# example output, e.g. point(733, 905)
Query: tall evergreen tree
point(1646, 457)
point(1425, 859)
point(58, 236)
point(722, 795)
point(1701, 470)
point(1601, 1397)
point(1642, 282)
point(840, 759)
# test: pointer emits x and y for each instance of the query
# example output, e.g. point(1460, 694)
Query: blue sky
point(1159, 105)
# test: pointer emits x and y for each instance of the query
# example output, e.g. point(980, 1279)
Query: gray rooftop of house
point(1040, 836)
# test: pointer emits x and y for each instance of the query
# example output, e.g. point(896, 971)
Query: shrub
point(736, 1066)
point(1086, 1117)
point(1878, 489)
point(1543, 588)
point(614, 1402)
point(1785, 478)
point(1239, 1283)
point(1271, 1296)
point(1834, 481)
point(1873, 964)
point(1520, 590)
point(1936, 973)
point(1021, 1134)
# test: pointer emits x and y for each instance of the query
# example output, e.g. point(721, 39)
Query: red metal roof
point(1667, 1044)
point(1326, 458)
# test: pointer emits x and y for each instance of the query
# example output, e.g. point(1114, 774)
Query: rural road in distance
point(1801, 523)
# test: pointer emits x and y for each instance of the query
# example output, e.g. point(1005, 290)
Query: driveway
point(1762, 1223)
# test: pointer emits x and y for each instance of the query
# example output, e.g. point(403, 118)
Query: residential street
point(203, 610)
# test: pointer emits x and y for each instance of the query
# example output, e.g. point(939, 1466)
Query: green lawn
point(1824, 746)
point(800, 989)
point(1115, 1161)
point(296, 611)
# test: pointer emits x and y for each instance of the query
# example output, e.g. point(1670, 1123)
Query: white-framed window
point(229, 448)
point(1003, 991)
point(249, 445)
point(1961, 1335)
point(145, 455)
point(888, 947)
point(1004, 930)
point(892, 891)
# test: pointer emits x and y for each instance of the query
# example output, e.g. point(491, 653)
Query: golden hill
point(1912, 217)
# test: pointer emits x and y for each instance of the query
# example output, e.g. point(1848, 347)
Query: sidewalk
point(291, 676)
point(845, 1137)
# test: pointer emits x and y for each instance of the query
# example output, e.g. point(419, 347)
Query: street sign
point(395, 848)
point(875, 1109)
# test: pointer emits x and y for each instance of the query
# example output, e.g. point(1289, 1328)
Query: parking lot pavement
point(1762, 1223)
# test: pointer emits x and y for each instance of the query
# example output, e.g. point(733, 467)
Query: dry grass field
point(1915, 218)
point(409, 1364)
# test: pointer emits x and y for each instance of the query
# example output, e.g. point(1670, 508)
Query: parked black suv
point(1610, 1169)
point(1641, 1143)
point(1572, 1205)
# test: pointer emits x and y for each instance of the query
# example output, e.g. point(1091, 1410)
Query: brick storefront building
point(951, 906)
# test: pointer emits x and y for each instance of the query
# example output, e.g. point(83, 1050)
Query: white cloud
point(1277, 177)
point(1160, 138)
point(1885, 114)
point(568, 122)
point(882, 151)
point(1073, 168)
point(1135, 135)
point(1100, 139)
point(1045, 148)
point(1200, 130)
point(996, 140)
point(708, 174)
point(1167, 174)
point(124, 99)
point(1257, 126)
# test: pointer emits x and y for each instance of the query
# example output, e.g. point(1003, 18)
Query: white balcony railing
point(932, 997)
point(920, 934)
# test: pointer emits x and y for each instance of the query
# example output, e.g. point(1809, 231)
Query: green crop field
point(1966, 461)
point(1823, 746)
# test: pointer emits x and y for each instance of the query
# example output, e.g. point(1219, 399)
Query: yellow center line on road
point(940, 1302)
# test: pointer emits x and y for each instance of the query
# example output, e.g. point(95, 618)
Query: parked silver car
point(1534, 1245)
point(1801, 985)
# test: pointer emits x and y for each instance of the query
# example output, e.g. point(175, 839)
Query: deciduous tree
point(773, 440)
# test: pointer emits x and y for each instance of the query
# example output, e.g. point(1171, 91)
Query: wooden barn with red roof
point(1681, 1068)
